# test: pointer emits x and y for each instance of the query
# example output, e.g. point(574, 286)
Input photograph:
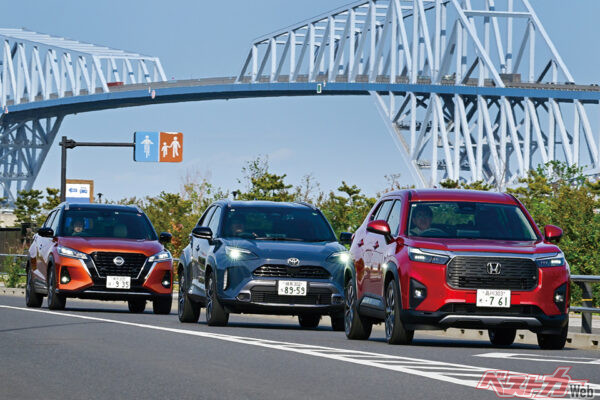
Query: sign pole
point(71, 144)
point(63, 169)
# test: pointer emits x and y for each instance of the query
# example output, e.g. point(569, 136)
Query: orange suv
point(103, 252)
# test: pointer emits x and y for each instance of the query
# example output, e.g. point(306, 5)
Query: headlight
point(239, 254)
point(67, 252)
point(164, 255)
point(558, 261)
point(341, 257)
point(430, 258)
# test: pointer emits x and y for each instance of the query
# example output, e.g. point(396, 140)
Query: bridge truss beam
point(35, 68)
point(484, 43)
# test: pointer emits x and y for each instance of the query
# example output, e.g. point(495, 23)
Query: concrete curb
point(574, 339)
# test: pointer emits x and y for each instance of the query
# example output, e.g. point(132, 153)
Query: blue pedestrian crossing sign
point(146, 146)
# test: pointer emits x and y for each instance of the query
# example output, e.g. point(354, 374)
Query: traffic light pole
point(71, 144)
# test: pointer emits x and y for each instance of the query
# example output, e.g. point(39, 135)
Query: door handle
point(362, 242)
point(376, 245)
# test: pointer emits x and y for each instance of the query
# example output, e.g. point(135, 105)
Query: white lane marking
point(541, 358)
point(349, 356)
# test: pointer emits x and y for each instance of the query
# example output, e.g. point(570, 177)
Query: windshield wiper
point(280, 238)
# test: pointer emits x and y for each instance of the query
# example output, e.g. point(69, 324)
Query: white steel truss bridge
point(468, 89)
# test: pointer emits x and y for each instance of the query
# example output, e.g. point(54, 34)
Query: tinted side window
point(394, 218)
point(54, 223)
point(214, 221)
point(384, 210)
point(49, 220)
point(206, 217)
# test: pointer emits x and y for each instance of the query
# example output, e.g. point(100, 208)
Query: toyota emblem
point(118, 261)
point(493, 268)
point(294, 262)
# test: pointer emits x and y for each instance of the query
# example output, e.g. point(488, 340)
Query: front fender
point(184, 262)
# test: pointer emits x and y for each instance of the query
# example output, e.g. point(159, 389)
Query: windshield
point(277, 223)
point(468, 220)
point(107, 224)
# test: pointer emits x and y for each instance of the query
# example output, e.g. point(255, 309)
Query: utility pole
point(71, 144)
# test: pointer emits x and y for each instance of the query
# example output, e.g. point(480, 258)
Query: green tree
point(28, 206)
point(264, 185)
point(52, 198)
point(477, 185)
point(169, 212)
point(347, 211)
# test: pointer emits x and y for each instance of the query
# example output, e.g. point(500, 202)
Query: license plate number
point(291, 288)
point(493, 298)
point(118, 282)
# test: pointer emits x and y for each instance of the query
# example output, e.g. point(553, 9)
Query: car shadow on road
point(465, 343)
point(268, 325)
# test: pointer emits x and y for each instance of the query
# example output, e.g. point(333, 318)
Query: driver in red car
point(422, 220)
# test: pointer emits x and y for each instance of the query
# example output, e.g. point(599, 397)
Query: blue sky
point(334, 138)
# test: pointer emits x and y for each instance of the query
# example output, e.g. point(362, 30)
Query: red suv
point(435, 259)
point(104, 252)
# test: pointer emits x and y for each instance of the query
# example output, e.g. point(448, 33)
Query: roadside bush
point(13, 269)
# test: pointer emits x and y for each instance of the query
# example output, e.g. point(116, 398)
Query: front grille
point(269, 295)
point(471, 273)
point(285, 271)
point(462, 308)
point(106, 266)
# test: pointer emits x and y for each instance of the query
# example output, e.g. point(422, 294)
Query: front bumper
point(87, 283)
point(468, 317)
point(259, 296)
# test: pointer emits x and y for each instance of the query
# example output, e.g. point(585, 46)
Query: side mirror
point(552, 233)
point(380, 227)
point(202, 232)
point(46, 232)
point(165, 237)
point(345, 238)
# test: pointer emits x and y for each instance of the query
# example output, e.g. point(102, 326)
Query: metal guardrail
point(585, 282)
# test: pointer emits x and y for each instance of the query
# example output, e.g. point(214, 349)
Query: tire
point(553, 342)
point(162, 305)
point(32, 299)
point(136, 306)
point(355, 326)
point(55, 301)
point(502, 337)
point(395, 333)
point(337, 322)
point(309, 321)
point(187, 310)
point(215, 313)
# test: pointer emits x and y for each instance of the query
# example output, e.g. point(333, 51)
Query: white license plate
point(118, 282)
point(493, 298)
point(291, 288)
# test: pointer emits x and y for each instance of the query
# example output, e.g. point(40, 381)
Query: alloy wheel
point(390, 312)
point(209, 297)
point(349, 307)
point(181, 299)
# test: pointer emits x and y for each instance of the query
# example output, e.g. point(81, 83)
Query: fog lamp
point(166, 280)
point(65, 277)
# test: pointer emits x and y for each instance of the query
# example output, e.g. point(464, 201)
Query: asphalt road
point(96, 350)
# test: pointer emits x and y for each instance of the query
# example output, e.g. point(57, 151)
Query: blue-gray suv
point(263, 257)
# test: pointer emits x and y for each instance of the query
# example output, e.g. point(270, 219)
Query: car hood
point(90, 245)
point(484, 246)
point(279, 250)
